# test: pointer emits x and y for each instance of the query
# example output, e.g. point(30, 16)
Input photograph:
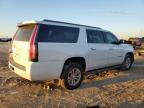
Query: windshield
point(24, 33)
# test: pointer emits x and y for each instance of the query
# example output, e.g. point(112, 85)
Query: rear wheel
point(127, 62)
point(73, 76)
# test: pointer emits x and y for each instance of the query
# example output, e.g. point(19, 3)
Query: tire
point(127, 63)
point(73, 76)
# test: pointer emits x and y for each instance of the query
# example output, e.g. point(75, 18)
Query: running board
point(95, 71)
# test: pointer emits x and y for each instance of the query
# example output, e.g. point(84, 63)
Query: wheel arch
point(79, 60)
point(131, 54)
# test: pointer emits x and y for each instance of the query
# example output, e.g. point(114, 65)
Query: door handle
point(92, 49)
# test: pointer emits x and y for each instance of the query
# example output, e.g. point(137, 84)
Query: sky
point(125, 18)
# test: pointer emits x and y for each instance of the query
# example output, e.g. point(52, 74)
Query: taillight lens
point(33, 54)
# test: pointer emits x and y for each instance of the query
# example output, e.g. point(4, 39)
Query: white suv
point(47, 50)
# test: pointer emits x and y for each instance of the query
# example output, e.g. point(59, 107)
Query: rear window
point(24, 33)
point(58, 34)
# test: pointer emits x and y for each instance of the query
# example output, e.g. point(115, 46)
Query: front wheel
point(127, 63)
point(73, 76)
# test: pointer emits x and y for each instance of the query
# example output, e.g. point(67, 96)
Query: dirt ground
point(120, 89)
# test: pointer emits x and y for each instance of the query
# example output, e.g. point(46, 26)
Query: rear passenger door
point(98, 50)
point(115, 53)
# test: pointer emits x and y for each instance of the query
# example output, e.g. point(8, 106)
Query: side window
point(94, 36)
point(110, 38)
point(58, 34)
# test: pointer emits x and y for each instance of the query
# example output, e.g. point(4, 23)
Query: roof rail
point(46, 20)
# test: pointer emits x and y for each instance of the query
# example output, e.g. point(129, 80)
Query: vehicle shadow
point(124, 77)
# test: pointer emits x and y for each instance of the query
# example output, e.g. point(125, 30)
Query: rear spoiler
point(27, 23)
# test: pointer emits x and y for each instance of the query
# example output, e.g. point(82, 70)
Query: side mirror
point(125, 41)
point(117, 43)
point(122, 41)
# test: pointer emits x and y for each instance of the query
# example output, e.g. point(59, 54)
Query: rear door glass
point(58, 34)
point(24, 33)
point(94, 36)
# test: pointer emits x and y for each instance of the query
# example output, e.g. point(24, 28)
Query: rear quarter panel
point(53, 56)
point(58, 53)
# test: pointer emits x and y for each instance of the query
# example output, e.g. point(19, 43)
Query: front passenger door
point(115, 54)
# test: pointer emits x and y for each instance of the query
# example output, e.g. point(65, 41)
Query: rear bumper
point(21, 67)
point(20, 72)
point(38, 71)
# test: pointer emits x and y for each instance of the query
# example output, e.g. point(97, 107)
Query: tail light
point(33, 48)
